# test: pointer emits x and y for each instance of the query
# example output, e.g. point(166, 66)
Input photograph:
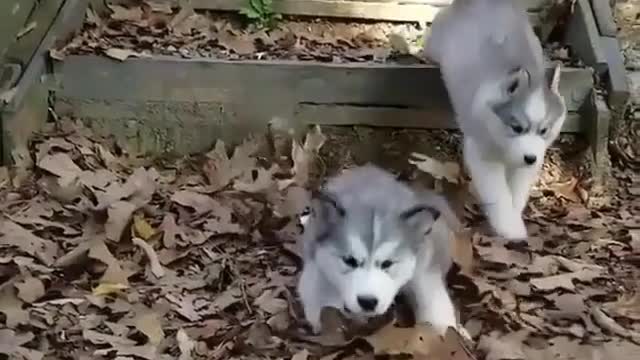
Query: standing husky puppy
point(493, 68)
point(368, 237)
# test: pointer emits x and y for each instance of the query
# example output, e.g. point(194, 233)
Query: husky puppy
point(493, 68)
point(369, 237)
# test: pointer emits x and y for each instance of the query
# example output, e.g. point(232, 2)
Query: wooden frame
point(206, 96)
point(387, 10)
point(28, 109)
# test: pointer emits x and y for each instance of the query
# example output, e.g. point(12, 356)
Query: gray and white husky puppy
point(367, 238)
point(493, 68)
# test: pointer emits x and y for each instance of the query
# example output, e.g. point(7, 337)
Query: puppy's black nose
point(367, 303)
point(530, 159)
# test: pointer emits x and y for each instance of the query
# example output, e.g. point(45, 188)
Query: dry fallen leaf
point(11, 306)
point(420, 340)
point(185, 344)
point(133, 13)
point(11, 345)
point(303, 155)
point(12, 234)
point(114, 273)
point(105, 288)
point(449, 171)
point(628, 306)
point(141, 227)
point(119, 216)
point(122, 54)
point(301, 355)
point(503, 347)
point(30, 290)
point(154, 263)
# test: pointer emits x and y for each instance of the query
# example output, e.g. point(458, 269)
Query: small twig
point(156, 267)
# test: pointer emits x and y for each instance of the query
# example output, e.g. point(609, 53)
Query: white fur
point(327, 282)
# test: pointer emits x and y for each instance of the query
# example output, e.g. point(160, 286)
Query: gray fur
point(477, 42)
point(362, 219)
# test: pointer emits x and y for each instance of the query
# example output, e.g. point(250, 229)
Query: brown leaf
point(185, 344)
point(114, 273)
point(154, 263)
point(301, 355)
point(610, 325)
point(11, 345)
point(271, 304)
point(99, 338)
point(184, 306)
point(126, 14)
point(449, 171)
point(122, 54)
point(148, 323)
point(196, 201)
point(507, 347)
point(12, 234)
point(170, 230)
point(242, 44)
point(30, 289)
point(61, 165)
point(11, 306)
point(159, 6)
point(566, 190)
point(119, 217)
point(418, 341)
point(628, 306)
point(141, 227)
point(499, 254)
point(462, 251)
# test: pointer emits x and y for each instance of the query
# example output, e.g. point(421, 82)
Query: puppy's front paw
point(509, 225)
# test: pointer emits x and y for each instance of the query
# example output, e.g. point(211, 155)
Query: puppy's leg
point(520, 182)
point(311, 296)
point(489, 179)
point(431, 301)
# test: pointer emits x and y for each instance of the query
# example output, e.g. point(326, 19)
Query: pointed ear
point(515, 81)
point(420, 216)
point(555, 80)
point(326, 206)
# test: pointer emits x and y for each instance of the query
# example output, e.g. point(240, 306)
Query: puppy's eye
point(518, 129)
point(350, 261)
point(386, 264)
point(543, 131)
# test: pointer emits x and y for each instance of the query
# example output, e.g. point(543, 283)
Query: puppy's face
point(529, 117)
point(369, 255)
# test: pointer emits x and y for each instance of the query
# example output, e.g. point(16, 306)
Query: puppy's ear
point(421, 217)
point(515, 82)
point(555, 80)
point(326, 207)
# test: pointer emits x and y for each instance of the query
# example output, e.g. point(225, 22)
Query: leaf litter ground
point(151, 28)
point(105, 255)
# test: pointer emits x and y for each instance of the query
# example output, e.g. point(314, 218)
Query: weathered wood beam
point(183, 105)
point(13, 17)
point(28, 108)
point(387, 10)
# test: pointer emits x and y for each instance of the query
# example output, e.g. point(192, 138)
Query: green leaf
point(249, 13)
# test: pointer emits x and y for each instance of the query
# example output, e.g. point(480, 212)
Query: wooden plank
point(69, 19)
point(583, 36)
point(182, 106)
point(43, 15)
point(29, 106)
point(617, 87)
point(209, 80)
point(341, 115)
point(402, 11)
point(604, 18)
point(13, 17)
